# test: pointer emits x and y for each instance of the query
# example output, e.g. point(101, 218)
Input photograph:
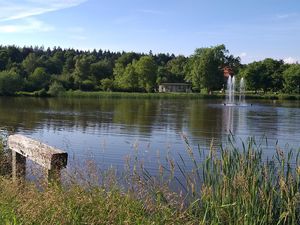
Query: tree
point(176, 68)
point(163, 75)
point(130, 79)
point(30, 63)
point(39, 79)
point(10, 82)
point(56, 89)
point(82, 70)
point(3, 59)
point(204, 68)
point(162, 59)
point(54, 65)
point(292, 79)
point(251, 73)
point(121, 64)
point(101, 70)
point(146, 69)
point(107, 84)
point(265, 75)
point(69, 64)
point(14, 54)
point(272, 78)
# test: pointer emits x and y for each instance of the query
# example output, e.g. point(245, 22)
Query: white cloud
point(14, 9)
point(243, 55)
point(290, 60)
point(286, 16)
point(27, 25)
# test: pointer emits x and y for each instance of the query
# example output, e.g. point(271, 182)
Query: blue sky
point(253, 29)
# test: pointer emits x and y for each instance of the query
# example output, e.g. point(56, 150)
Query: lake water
point(109, 130)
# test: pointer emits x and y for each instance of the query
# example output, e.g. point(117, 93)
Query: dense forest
point(51, 71)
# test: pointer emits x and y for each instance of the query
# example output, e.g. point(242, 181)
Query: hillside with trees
point(39, 70)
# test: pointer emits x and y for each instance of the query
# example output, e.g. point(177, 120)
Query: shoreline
point(173, 95)
point(220, 189)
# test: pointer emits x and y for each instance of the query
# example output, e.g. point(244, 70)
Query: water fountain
point(232, 113)
point(242, 92)
point(230, 92)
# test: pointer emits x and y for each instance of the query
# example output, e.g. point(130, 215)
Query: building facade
point(175, 87)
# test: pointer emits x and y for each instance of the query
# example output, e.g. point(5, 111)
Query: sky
point(252, 29)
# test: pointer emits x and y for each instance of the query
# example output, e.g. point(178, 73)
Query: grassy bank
point(138, 95)
point(129, 95)
point(215, 95)
point(273, 96)
point(229, 186)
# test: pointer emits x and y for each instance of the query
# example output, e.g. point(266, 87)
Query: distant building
point(175, 87)
point(227, 71)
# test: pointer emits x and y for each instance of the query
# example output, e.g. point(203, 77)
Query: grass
point(273, 96)
point(215, 95)
point(225, 186)
point(173, 95)
point(138, 95)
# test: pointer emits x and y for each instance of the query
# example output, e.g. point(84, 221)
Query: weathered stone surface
point(46, 156)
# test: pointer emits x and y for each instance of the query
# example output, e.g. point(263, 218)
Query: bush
point(56, 89)
point(87, 85)
point(292, 79)
point(10, 82)
point(107, 84)
point(40, 93)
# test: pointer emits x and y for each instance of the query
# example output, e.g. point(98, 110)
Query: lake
point(107, 131)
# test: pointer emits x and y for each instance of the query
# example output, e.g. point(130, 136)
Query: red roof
point(227, 71)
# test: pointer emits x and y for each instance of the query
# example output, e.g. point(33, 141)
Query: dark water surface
point(108, 130)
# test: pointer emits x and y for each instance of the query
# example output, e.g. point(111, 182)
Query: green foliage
point(3, 60)
point(101, 69)
point(108, 94)
point(292, 79)
point(134, 72)
point(125, 72)
point(107, 84)
point(10, 82)
point(87, 85)
point(82, 70)
point(30, 63)
point(129, 80)
point(53, 65)
point(56, 89)
point(146, 69)
point(204, 69)
point(39, 79)
point(40, 93)
point(176, 69)
point(219, 186)
point(251, 73)
point(265, 75)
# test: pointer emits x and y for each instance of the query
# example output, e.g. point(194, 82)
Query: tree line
point(35, 69)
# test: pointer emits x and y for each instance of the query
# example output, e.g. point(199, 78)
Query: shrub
point(56, 89)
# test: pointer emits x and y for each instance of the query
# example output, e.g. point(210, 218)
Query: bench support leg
point(18, 166)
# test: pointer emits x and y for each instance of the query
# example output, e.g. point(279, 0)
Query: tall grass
point(240, 187)
point(215, 95)
point(234, 185)
point(129, 95)
point(227, 185)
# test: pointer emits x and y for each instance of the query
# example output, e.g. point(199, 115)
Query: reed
point(225, 185)
point(231, 185)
